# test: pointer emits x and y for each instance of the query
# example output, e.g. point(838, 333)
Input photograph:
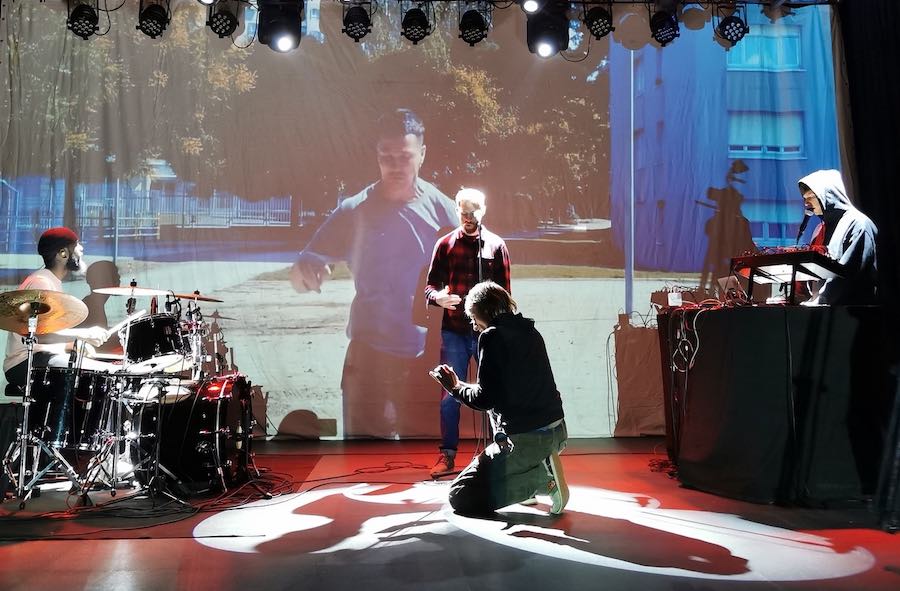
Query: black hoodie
point(850, 238)
point(515, 381)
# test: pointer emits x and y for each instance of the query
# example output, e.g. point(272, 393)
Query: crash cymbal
point(56, 310)
point(127, 290)
point(196, 296)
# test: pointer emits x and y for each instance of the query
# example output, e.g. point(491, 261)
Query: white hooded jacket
point(850, 239)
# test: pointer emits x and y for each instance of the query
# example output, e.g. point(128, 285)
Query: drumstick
point(119, 326)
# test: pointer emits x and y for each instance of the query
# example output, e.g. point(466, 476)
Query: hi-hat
point(130, 291)
point(196, 296)
point(55, 310)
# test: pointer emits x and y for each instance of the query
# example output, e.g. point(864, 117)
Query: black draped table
point(776, 404)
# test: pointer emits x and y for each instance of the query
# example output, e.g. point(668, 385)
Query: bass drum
point(204, 432)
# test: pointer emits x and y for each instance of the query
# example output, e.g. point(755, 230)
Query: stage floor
point(365, 516)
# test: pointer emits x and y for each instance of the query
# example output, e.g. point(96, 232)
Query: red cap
point(55, 238)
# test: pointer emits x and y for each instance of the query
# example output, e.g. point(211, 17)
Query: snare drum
point(69, 406)
point(159, 388)
point(204, 438)
point(154, 343)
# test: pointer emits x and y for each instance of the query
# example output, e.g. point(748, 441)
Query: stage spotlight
point(357, 20)
point(664, 27)
point(280, 24)
point(598, 21)
point(417, 21)
point(153, 17)
point(222, 20)
point(475, 20)
point(732, 28)
point(532, 6)
point(547, 31)
point(83, 18)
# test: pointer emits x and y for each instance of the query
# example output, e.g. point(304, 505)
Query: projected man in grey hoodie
point(847, 234)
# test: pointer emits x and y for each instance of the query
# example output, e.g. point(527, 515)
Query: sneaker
point(443, 466)
point(557, 487)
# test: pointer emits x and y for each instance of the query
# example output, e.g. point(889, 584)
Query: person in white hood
point(848, 236)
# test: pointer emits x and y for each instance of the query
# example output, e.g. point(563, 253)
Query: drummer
point(63, 254)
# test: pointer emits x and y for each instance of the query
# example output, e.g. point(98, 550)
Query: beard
point(77, 267)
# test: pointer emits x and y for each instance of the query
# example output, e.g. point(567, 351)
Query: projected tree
point(89, 111)
point(258, 124)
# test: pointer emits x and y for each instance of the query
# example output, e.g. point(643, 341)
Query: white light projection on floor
point(600, 527)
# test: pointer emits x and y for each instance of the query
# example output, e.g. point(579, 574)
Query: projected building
point(720, 132)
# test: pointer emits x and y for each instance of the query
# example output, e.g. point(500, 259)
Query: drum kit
point(162, 416)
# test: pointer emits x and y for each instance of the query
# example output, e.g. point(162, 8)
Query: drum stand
point(156, 484)
point(28, 442)
point(105, 465)
point(195, 319)
point(111, 476)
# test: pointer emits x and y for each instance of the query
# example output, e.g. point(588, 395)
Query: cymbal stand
point(218, 359)
point(195, 320)
point(112, 445)
point(28, 442)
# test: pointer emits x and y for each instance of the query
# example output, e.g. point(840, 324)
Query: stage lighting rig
point(531, 6)
point(222, 17)
point(83, 18)
point(663, 23)
point(418, 20)
point(280, 23)
point(547, 31)
point(731, 27)
point(598, 20)
point(358, 18)
point(153, 17)
point(474, 20)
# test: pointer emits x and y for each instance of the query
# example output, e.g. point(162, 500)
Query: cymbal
point(108, 356)
point(56, 310)
point(197, 296)
point(127, 290)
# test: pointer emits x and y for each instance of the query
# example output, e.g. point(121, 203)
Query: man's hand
point(95, 335)
point(89, 350)
point(445, 376)
point(445, 299)
point(307, 275)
